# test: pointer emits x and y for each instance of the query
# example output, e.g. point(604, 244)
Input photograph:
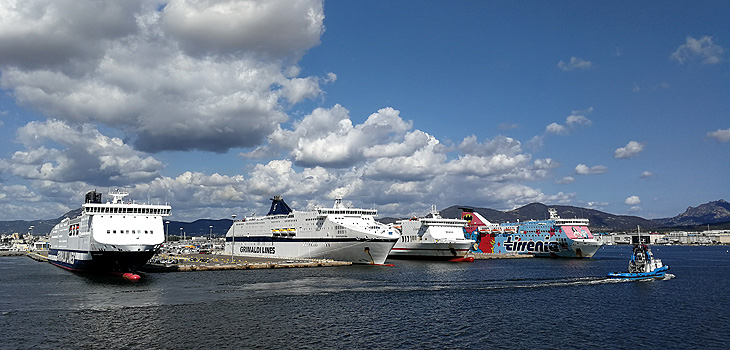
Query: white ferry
point(337, 233)
point(116, 237)
point(431, 237)
point(556, 237)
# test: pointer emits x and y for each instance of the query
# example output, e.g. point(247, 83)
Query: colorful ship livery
point(555, 237)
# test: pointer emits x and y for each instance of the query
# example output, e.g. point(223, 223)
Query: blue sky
point(216, 106)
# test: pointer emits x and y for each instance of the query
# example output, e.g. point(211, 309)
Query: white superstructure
point(115, 236)
point(431, 237)
point(338, 233)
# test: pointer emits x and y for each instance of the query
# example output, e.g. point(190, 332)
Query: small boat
point(642, 265)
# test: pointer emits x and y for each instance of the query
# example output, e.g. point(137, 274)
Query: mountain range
point(716, 214)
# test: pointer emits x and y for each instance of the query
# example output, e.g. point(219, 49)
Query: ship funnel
point(338, 202)
point(93, 197)
point(279, 207)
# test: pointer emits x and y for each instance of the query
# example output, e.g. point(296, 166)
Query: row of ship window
point(127, 231)
point(127, 210)
point(73, 230)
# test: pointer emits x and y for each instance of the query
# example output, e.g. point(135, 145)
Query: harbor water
point(487, 304)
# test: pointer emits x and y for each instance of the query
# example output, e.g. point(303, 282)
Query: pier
point(12, 253)
point(41, 256)
point(214, 262)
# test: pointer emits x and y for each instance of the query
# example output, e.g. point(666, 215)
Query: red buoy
point(464, 259)
point(131, 276)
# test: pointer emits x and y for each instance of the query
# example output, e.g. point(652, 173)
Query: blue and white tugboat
point(642, 265)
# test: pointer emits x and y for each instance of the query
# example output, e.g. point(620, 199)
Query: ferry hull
point(357, 251)
point(550, 247)
point(444, 251)
point(114, 262)
point(115, 237)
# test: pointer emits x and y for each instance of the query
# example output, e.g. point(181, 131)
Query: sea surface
point(489, 304)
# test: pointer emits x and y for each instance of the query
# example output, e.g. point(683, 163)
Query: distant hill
point(537, 211)
point(714, 212)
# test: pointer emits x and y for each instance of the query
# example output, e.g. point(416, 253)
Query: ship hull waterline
point(357, 251)
point(100, 262)
point(439, 251)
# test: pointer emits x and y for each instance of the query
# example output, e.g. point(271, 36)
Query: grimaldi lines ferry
point(556, 237)
point(337, 233)
point(431, 237)
point(114, 237)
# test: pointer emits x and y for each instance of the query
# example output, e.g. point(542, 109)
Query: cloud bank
point(203, 75)
point(123, 82)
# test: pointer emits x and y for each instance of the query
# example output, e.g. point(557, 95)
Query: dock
point(214, 262)
point(12, 253)
point(41, 255)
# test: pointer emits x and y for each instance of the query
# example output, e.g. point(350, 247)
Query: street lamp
point(182, 234)
point(233, 236)
point(210, 237)
point(167, 231)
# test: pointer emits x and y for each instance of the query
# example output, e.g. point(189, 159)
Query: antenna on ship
point(553, 213)
point(117, 195)
point(435, 213)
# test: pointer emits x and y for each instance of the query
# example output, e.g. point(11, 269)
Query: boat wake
point(328, 285)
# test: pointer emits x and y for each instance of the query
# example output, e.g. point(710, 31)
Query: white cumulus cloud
point(582, 169)
point(722, 135)
point(702, 49)
point(574, 63)
point(632, 200)
point(87, 155)
point(206, 75)
point(632, 149)
point(565, 180)
point(555, 128)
